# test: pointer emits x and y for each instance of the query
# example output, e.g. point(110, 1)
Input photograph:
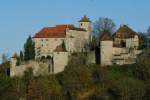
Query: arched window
point(43, 57)
point(48, 57)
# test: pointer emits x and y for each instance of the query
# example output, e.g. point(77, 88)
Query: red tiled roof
point(55, 32)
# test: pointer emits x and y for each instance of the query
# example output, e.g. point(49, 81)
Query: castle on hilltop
point(54, 45)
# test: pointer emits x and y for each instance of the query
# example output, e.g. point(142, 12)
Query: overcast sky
point(21, 18)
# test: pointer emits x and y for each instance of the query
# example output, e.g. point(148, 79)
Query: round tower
point(85, 23)
point(106, 49)
point(13, 64)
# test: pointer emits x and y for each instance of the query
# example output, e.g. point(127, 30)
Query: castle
point(54, 45)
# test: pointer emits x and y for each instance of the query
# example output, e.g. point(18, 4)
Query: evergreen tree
point(29, 52)
point(148, 31)
point(18, 61)
point(21, 56)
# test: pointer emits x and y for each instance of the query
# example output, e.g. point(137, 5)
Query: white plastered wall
point(46, 46)
point(60, 61)
point(106, 50)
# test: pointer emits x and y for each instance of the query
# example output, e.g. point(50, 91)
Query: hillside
point(80, 81)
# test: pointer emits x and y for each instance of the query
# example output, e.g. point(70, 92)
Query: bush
point(44, 88)
point(128, 89)
point(143, 65)
point(11, 89)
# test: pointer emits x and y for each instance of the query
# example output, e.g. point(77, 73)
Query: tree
point(28, 76)
point(103, 24)
point(148, 31)
point(44, 88)
point(128, 89)
point(21, 56)
point(18, 61)
point(76, 79)
point(4, 57)
point(5, 65)
point(143, 65)
point(29, 51)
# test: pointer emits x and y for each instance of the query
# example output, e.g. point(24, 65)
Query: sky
point(21, 18)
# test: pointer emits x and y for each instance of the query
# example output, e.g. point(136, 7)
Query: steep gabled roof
point(52, 32)
point(124, 32)
point(59, 31)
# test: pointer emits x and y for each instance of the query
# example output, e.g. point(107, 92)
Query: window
point(81, 24)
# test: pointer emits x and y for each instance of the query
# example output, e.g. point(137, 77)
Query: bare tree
point(103, 24)
point(4, 57)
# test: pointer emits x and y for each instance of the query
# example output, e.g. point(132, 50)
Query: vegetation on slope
point(80, 81)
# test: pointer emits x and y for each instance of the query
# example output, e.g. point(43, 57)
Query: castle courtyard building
point(120, 48)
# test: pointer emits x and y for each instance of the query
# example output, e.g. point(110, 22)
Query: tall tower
point(85, 23)
point(13, 65)
point(106, 49)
